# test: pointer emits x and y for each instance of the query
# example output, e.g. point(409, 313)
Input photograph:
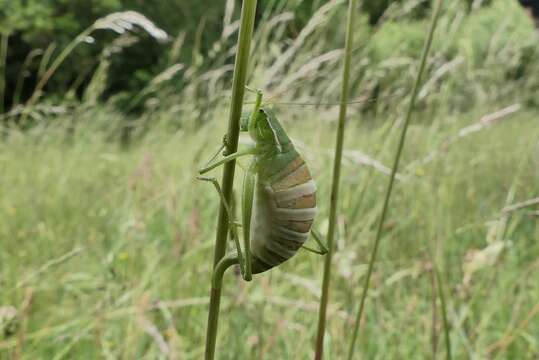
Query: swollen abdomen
point(283, 212)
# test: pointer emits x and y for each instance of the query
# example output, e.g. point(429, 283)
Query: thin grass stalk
point(118, 22)
point(238, 90)
point(434, 315)
point(24, 68)
point(443, 306)
point(3, 56)
point(47, 74)
point(45, 60)
point(352, 6)
point(56, 64)
point(394, 170)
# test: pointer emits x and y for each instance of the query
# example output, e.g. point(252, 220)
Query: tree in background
point(33, 31)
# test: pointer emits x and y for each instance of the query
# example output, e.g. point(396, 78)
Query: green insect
point(279, 196)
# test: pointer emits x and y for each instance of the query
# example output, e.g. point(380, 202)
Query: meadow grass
point(336, 178)
point(392, 177)
point(138, 232)
point(106, 249)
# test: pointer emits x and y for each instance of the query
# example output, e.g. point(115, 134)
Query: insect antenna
point(360, 100)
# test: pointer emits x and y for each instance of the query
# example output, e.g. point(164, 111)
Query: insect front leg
point(250, 125)
point(234, 156)
point(217, 152)
point(323, 249)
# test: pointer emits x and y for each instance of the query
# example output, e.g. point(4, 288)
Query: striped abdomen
point(283, 212)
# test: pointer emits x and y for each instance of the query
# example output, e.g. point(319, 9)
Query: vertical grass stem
point(238, 90)
point(319, 351)
point(417, 83)
point(443, 306)
point(4, 39)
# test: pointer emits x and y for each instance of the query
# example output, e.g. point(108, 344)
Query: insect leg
point(226, 159)
point(249, 183)
point(232, 223)
point(323, 249)
point(216, 153)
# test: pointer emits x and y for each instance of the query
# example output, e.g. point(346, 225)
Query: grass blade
point(402, 139)
point(4, 39)
point(336, 178)
point(238, 90)
point(443, 305)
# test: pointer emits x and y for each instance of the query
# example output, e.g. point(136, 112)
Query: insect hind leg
point(322, 247)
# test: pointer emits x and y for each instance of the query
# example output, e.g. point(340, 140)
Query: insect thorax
point(272, 162)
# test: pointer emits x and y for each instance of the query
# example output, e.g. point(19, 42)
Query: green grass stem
point(352, 6)
point(58, 61)
point(394, 169)
point(4, 39)
point(238, 91)
point(443, 305)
